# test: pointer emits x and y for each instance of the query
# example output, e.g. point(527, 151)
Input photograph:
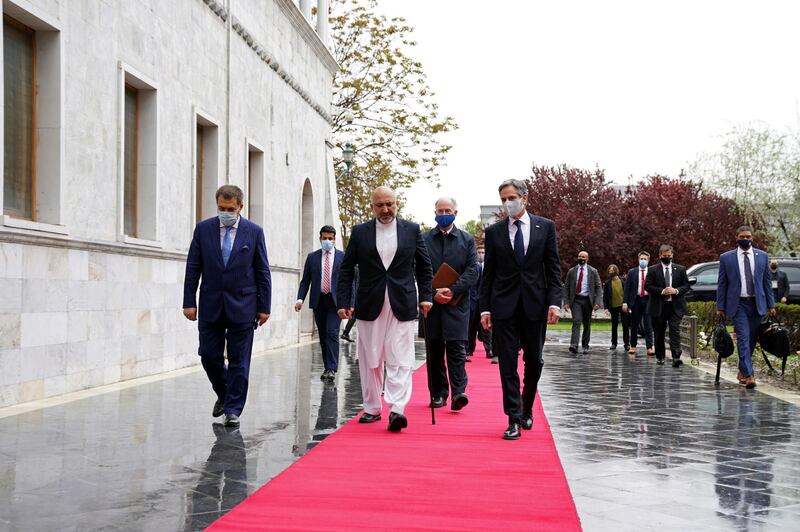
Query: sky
point(632, 87)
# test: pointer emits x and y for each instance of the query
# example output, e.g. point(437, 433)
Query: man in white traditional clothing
point(391, 256)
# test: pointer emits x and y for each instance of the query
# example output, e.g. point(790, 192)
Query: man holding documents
point(454, 261)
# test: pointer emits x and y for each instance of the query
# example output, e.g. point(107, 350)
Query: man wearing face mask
point(229, 255)
point(584, 295)
point(448, 320)
point(321, 273)
point(667, 284)
point(780, 282)
point(393, 264)
point(744, 295)
point(636, 302)
point(520, 294)
point(475, 329)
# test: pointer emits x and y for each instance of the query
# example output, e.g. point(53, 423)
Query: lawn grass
point(597, 325)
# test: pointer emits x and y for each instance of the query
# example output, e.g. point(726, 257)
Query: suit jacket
point(312, 276)
point(594, 284)
point(632, 289)
point(241, 289)
point(457, 249)
point(411, 263)
point(607, 291)
point(475, 289)
point(655, 283)
point(536, 284)
point(782, 284)
point(729, 283)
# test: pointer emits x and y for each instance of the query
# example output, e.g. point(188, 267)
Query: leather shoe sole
point(397, 422)
point(217, 410)
point(459, 402)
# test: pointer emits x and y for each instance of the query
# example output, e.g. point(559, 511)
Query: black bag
point(774, 339)
point(722, 341)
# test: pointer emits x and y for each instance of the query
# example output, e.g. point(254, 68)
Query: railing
point(689, 338)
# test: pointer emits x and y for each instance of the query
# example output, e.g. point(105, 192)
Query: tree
point(397, 126)
point(759, 168)
point(473, 227)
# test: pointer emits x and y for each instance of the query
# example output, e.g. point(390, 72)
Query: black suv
point(703, 280)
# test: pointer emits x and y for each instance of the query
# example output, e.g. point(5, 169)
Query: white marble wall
point(73, 317)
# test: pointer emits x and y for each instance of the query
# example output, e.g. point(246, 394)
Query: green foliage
point(397, 126)
point(788, 315)
point(473, 227)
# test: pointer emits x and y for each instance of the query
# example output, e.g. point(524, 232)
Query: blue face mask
point(643, 264)
point(327, 245)
point(445, 220)
point(228, 219)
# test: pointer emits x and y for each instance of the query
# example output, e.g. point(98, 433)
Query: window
point(206, 167)
point(138, 159)
point(255, 183)
point(18, 91)
point(708, 276)
point(32, 139)
point(792, 272)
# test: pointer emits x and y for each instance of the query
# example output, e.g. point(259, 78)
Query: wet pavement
point(648, 447)
point(643, 446)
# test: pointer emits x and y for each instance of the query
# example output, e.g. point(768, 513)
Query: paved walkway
point(643, 446)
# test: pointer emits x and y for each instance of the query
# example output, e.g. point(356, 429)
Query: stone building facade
point(120, 120)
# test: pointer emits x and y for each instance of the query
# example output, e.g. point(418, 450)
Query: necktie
point(668, 279)
point(641, 294)
point(226, 246)
point(579, 286)
point(519, 243)
point(748, 276)
point(326, 274)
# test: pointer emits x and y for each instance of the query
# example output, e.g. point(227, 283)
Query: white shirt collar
point(526, 219)
point(385, 227)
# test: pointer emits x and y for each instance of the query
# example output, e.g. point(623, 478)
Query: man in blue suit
point(229, 253)
point(321, 274)
point(744, 294)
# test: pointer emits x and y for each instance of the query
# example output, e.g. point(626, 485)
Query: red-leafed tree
point(700, 224)
point(586, 210)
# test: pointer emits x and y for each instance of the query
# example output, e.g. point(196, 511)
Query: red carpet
point(456, 475)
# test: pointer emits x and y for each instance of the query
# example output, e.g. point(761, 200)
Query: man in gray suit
point(584, 295)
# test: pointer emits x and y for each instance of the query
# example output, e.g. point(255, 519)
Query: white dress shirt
point(583, 289)
point(526, 229)
point(325, 255)
point(386, 241)
point(233, 232)
point(668, 273)
point(640, 281)
point(740, 256)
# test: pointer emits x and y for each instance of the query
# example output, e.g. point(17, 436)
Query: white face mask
point(514, 207)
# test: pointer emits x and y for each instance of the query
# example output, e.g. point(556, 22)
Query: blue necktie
point(519, 243)
point(226, 246)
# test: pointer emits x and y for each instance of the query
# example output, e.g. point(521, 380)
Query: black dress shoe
point(489, 354)
point(346, 337)
point(660, 361)
point(512, 432)
point(468, 359)
point(369, 418)
point(231, 420)
point(573, 350)
point(677, 362)
point(397, 422)
point(460, 400)
point(586, 350)
point(495, 360)
point(437, 402)
point(527, 421)
point(612, 348)
point(217, 410)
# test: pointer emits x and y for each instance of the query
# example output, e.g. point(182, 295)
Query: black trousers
point(668, 318)
point(639, 316)
point(229, 383)
point(616, 316)
point(476, 331)
point(509, 336)
point(328, 322)
point(456, 351)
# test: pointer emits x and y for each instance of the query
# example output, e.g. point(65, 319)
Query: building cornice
point(303, 26)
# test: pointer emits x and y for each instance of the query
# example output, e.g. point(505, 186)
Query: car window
point(708, 276)
point(792, 272)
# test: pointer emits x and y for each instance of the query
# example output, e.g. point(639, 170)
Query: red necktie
point(579, 286)
point(642, 294)
point(326, 274)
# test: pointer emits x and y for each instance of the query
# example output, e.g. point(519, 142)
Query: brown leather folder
point(446, 277)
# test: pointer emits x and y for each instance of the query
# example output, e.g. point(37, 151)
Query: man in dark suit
point(584, 295)
point(667, 285)
point(636, 300)
point(320, 274)
point(780, 282)
point(448, 320)
point(229, 253)
point(520, 294)
point(744, 294)
point(475, 329)
point(391, 258)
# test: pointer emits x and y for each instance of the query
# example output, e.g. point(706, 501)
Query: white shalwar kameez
point(385, 340)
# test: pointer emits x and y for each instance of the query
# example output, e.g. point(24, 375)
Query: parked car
point(703, 280)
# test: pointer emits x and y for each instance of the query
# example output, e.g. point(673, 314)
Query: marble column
point(322, 21)
point(305, 8)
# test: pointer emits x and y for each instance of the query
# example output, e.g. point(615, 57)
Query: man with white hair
point(391, 255)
